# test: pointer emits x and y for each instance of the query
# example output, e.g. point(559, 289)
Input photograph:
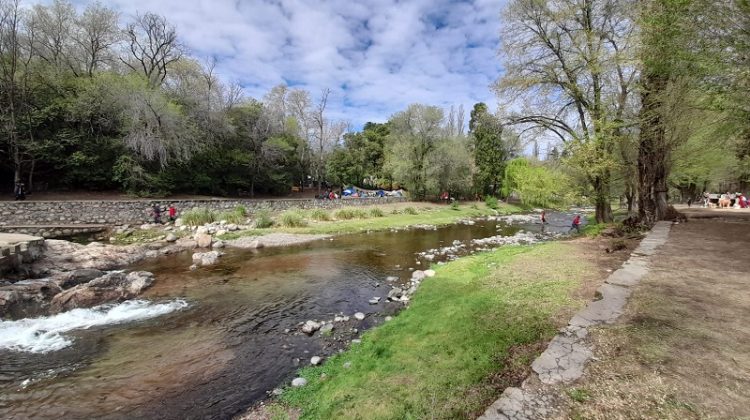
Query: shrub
point(236, 216)
point(345, 214)
point(293, 218)
point(410, 210)
point(376, 212)
point(320, 215)
point(491, 202)
point(198, 216)
point(263, 219)
point(360, 214)
point(395, 211)
point(455, 206)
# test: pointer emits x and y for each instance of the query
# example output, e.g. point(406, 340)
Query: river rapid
point(212, 342)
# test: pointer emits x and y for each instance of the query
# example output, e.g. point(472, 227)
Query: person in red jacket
point(576, 224)
point(172, 213)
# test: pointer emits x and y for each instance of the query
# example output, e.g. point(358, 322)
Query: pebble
point(347, 365)
point(359, 315)
point(315, 360)
point(388, 318)
point(356, 341)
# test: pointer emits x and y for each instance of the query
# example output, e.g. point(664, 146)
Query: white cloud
point(378, 56)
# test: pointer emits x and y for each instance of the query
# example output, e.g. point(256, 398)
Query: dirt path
point(682, 349)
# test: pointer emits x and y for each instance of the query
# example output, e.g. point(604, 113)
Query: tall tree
point(561, 59)
point(152, 46)
point(492, 148)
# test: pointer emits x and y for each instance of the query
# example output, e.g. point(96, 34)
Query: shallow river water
point(224, 345)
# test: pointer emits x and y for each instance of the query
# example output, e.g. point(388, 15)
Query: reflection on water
point(229, 347)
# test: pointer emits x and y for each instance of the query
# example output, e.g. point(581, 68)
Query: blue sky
point(377, 56)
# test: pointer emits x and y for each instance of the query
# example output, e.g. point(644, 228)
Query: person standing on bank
point(172, 213)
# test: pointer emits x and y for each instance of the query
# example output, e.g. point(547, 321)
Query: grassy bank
point(352, 220)
point(469, 332)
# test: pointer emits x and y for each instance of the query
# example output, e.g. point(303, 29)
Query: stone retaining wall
point(55, 231)
point(12, 256)
point(51, 213)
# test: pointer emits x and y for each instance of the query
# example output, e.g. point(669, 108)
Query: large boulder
point(80, 276)
point(111, 287)
point(27, 298)
point(203, 239)
point(206, 258)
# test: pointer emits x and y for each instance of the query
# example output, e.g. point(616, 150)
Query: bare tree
point(95, 36)
point(54, 27)
point(10, 50)
point(562, 59)
point(152, 46)
point(326, 133)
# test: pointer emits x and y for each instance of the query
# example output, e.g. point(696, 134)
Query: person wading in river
point(576, 224)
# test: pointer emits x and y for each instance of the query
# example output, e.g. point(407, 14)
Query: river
point(212, 342)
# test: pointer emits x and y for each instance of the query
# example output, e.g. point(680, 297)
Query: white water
point(45, 334)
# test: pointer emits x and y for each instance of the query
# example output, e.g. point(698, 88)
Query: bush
point(293, 218)
point(236, 216)
point(376, 212)
point(345, 214)
point(198, 216)
point(455, 206)
point(360, 214)
point(320, 215)
point(395, 211)
point(410, 210)
point(491, 202)
point(263, 220)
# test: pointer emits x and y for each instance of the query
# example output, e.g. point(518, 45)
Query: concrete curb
point(566, 356)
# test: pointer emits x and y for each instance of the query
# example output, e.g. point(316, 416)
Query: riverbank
point(469, 332)
point(375, 218)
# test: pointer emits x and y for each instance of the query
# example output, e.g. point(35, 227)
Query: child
point(544, 217)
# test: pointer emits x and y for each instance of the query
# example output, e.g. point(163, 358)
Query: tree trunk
point(603, 207)
point(653, 154)
point(30, 187)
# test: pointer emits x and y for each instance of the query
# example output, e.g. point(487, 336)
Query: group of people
point(575, 224)
point(727, 200)
point(156, 212)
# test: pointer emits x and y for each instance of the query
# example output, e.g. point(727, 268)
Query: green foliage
point(579, 395)
point(198, 216)
point(320, 215)
point(494, 293)
point(536, 185)
point(263, 219)
point(293, 218)
point(491, 202)
point(359, 161)
point(236, 216)
point(345, 214)
point(493, 146)
point(455, 206)
point(376, 212)
point(360, 214)
point(410, 210)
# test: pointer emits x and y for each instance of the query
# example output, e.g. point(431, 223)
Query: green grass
point(491, 202)
point(263, 220)
point(140, 236)
point(347, 221)
point(410, 210)
point(345, 214)
point(237, 216)
point(320, 215)
point(444, 356)
point(578, 394)
point(376, 212)
point(293, 219)
point(198, 216)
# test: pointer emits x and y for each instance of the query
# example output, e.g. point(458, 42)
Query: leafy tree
point(536, 185)
point(493, 146)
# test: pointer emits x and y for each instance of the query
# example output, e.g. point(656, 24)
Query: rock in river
point(359, 315)
point(206, 258)
point(115, 286)
point(80, 276)
point(203, 239)
point(310, 327)
point(26, 298)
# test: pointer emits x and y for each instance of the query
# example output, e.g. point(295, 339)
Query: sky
point(377, 56)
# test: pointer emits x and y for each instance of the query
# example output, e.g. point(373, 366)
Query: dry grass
point(683, 349)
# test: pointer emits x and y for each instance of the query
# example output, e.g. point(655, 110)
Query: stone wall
point(14, 214)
